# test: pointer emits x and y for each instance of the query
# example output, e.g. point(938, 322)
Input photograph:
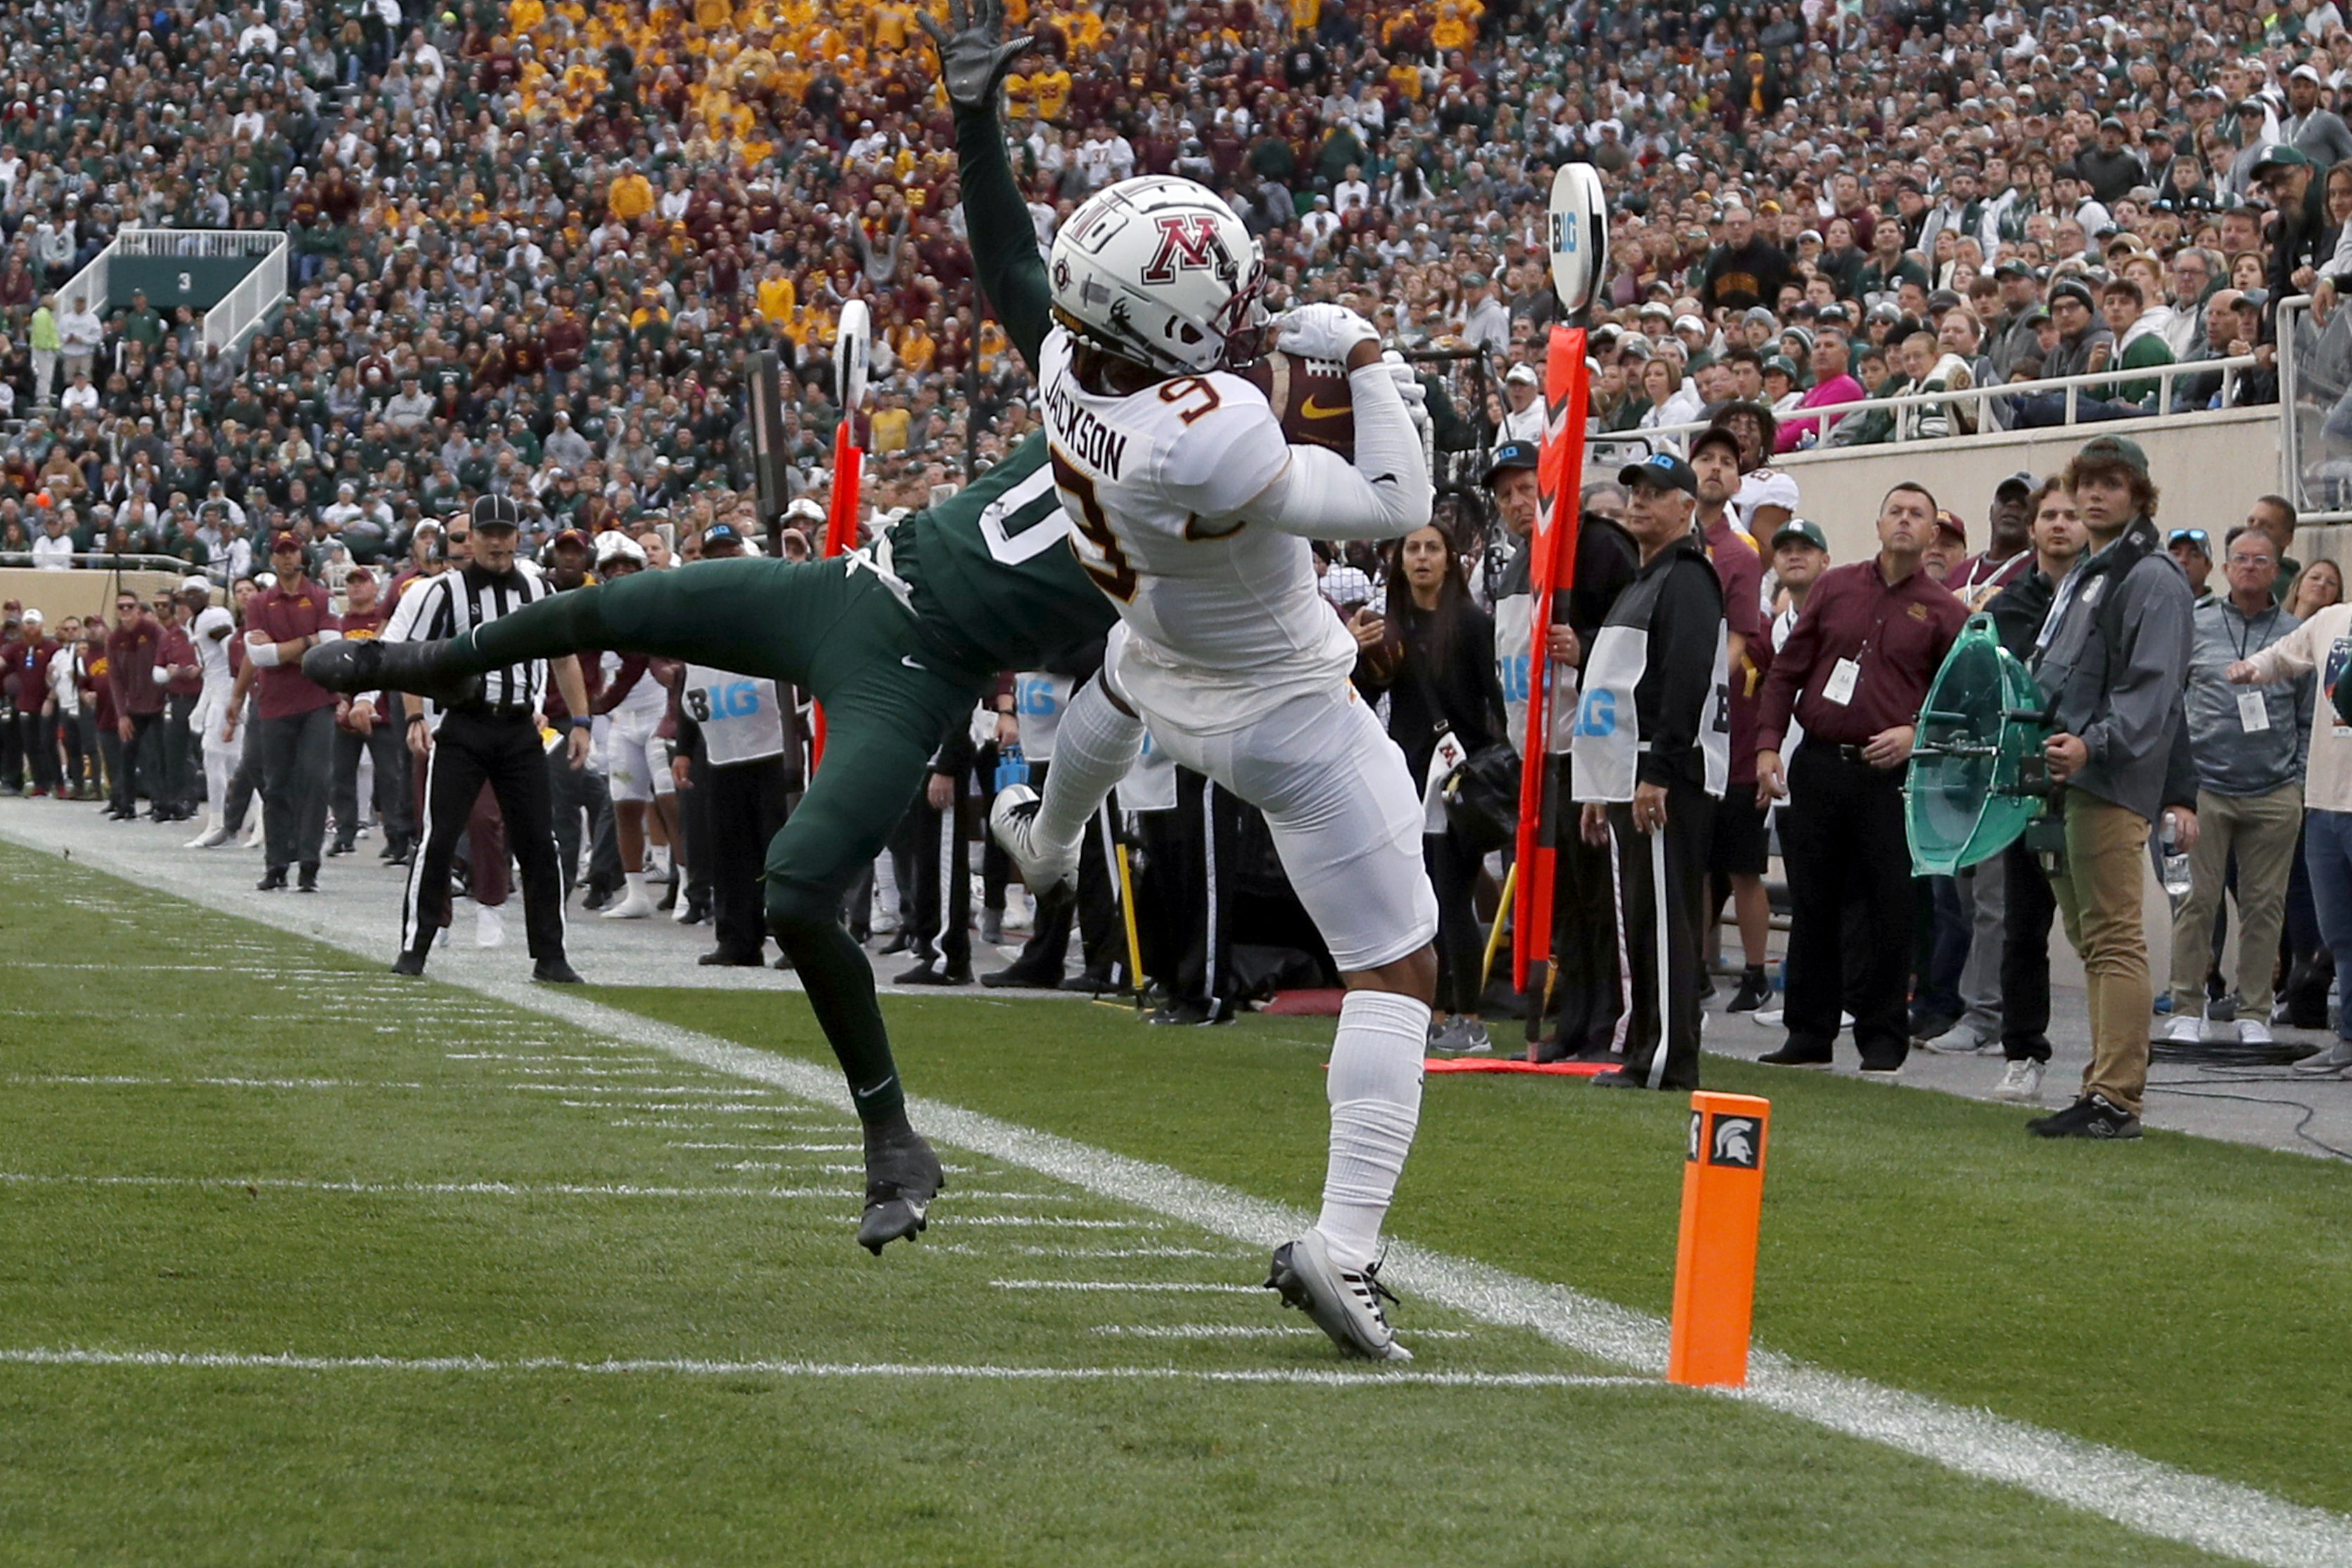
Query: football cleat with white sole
point(902, 1176)
point(1344, 1303)
point(1052, 879)
point(367, 664)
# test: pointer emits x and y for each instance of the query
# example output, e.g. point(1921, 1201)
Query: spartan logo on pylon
point(1735, 1142)
point(1189, 241)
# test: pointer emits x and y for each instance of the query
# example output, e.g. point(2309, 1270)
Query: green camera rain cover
point(1964, 800)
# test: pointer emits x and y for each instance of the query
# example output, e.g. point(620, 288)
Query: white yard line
point(1242, 1331)
point(475, 1188)
point(1129, 1286)
point(2141, 1494)
point(1316, 1377)
point(124, 1080)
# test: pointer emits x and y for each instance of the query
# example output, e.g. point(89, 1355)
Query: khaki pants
point(2098, 897)
point(2262, 829)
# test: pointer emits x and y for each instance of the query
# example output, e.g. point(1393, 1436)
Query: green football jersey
point(995, 584)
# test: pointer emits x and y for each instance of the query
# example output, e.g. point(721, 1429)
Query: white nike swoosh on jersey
point(908, 660)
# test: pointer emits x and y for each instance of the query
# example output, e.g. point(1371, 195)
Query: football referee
point(492, 735)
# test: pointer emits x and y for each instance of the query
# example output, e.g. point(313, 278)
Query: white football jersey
point(211, 648)
point(1225, 622)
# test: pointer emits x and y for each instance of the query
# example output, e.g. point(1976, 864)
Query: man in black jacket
point(1651, 750)
point(2286, 175)
point(1746, 269)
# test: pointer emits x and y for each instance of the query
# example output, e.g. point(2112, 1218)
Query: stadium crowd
point(532, 243)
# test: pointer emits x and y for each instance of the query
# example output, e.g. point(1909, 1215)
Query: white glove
point(1408, 384)
point(1323, 333)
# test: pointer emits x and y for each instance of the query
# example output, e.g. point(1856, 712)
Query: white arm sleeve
point(263, 654)
point(1383, 495)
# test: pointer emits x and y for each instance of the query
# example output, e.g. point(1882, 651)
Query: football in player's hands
point(1311, 399)
point(1323, 333)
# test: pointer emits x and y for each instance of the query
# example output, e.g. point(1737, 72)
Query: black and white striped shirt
point(461, 599)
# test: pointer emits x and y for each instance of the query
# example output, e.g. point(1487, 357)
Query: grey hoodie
point(2113, 661)
point(2231, 759)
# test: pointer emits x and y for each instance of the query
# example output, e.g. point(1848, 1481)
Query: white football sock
point(1374, 1086)
point(1093, 749)
point(637, 881)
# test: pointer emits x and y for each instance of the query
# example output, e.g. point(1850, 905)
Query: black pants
point(386, 745)
point(1842, 838)
point(691, 861)
point(1454, 868)
point(12, 748)
point(1097, 915)
point(40, 739)
point(1188, 897)
point(582, 803)
point(745, 803)
point(942, 890)
point(2025, 956)
point(246, 780)
point(142, 762)
point(298, 760)
point(469, 751)
point(1587, 934)
point(76, 731)
point(112, 757)
point(178, 748)
point(1664, 875)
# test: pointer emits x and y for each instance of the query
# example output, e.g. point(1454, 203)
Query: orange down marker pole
point(1715, 1261)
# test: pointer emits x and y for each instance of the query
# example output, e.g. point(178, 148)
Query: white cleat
point(1051, 878)
point(636, 905)
point(212, 838)
point(490, 927)
point(2184, 1029)
point(1344, 1303)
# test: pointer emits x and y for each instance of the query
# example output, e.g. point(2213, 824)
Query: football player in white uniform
point(1192, 511)
point(210, 633)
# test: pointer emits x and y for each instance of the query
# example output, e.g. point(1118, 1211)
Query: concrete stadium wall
point(2209, 467)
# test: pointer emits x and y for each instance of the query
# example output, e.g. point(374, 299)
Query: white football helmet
point(1160, 270)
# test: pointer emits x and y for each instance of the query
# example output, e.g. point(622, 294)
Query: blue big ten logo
point(735, 699)
point(1514, 672)
point(1035, 696)
point(1596, 715)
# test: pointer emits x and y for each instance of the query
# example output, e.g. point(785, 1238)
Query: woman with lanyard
point(1434, 657)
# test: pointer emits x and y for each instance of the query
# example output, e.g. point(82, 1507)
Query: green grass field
point(550, 1296)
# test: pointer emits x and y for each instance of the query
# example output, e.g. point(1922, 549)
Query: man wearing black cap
point(1584, 902)
point(294, 734)
point(2110, 169)
point(489, 734)
point(1854, 671)
point(2285, 174)
point(2009, 336)
point(1650, 752)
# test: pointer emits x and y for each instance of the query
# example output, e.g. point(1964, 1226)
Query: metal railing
point(2070, 388)
point(251, 301)
point(2315, 370)
point(115, 561)
point(227, 323)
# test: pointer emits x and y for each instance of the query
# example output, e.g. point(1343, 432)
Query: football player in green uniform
point(898, 655)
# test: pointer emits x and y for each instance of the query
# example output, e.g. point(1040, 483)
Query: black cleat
point(307, 880)
point(272, 881)
point(410, 964)
point(352, 665)
point(929, 973)
point(556, 972)
point(902, 1176)
point(721, 958)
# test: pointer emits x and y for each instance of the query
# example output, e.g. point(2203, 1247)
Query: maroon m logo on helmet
point(1189, 241)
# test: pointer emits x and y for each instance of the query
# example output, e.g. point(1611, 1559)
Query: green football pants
point(832, 627)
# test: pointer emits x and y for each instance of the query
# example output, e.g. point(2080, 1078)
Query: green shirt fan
point(1976, 779)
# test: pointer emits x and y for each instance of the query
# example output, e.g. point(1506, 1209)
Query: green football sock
point(840, 985)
